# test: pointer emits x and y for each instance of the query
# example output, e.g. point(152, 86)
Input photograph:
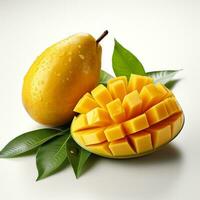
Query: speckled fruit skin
point(59, 77)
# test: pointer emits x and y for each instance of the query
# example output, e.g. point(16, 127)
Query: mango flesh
point(59, 77)
point(129, 119)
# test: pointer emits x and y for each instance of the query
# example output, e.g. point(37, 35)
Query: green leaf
point(51, 156)
point(162, 76)
point(28, 141)
point(104, 77)
point(171, 84)
point(77, 156)
point(125, 63)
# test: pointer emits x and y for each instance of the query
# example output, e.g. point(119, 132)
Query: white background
point(163, 35)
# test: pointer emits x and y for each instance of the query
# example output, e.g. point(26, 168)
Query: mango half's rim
point(134, 155)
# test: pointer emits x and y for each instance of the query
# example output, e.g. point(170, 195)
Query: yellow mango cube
point(176, 122)
point(78, 137)
point(137, 82)
point(121, 148)
point(101, 149)
point(136, 124)
point(85, 104)
point(114, 132)
point(116, 111)
point(101, 95)
point(141, 141)
point(132, 104)
point(98, 117)
point(150, 96)
point(115, 87)
point(172, 106)
point(80, 123)
point(160, 134)
point(157, 113)
point(164, 91)
point(93, 136)
point(122, 78)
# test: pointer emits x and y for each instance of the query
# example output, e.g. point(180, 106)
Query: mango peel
point(127, 118)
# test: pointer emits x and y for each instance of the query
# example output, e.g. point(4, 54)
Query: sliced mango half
point(127, 118)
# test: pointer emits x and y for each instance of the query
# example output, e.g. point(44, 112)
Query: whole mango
point(59, 77)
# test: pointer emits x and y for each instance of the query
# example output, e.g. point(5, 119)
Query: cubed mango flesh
point(122, 78)
point(116, 111)
point(150, 96)
point(121, 148)
point(176, 122)
point(93, 136)
point(157, 113)
point(137, 82)
point(164, 91)
point(127, 118)
point(136, 124)
point(114, 132)
point(115, 87)
point(160, 134)
point(98, 117)
point(102, 149)
point(142, 141)
point(80, 123)
point(132, 104)
point(101, 95)
point(85, 104)
point(172, 106)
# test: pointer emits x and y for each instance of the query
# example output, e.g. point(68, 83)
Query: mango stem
point(102, 36)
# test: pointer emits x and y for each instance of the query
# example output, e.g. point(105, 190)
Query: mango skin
point(59, 77)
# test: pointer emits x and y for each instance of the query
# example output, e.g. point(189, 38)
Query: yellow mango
point(59, 77)
point(126, 125)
